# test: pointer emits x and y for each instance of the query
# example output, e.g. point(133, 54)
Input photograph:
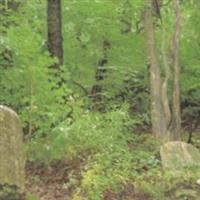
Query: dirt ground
point(49, 182)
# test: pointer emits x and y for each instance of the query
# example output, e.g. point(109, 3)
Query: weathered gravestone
point(12, 159)
point(177, 155)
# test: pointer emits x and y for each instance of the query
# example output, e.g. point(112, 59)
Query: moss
point(11, 192)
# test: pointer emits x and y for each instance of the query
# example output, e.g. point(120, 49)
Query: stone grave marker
point(12, 158)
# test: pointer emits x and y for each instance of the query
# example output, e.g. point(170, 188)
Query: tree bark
point(96, 92)
point(159, 126)
point(165, 84)
point(54, 19)
point(176, 116)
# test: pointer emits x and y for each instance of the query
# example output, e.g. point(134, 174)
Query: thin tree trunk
point(96, 92)
point(159, 126)
point(55, 40)
point(176, 117)
point(165, 83)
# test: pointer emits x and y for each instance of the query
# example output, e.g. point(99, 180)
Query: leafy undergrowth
point(58, 182)
point(97, 158)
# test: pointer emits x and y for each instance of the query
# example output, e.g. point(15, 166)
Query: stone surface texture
point(12, 159)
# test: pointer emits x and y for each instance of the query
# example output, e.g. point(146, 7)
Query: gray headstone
point(177, 155)
point(12, 159)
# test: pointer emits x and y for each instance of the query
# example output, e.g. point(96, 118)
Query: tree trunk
point(8, 4)
point(159, 125)
point(176, 117)
point(96, 93)
point(55, 30)
point(165, 84)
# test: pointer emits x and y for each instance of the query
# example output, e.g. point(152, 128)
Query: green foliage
point(10, 192)
point(28, 84)
point(57, 117)
point(104, 142)
point(111, 154)
point(31, 197)
point(26, 77)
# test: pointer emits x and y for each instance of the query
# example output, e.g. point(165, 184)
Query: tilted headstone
point(12, 159)
point(177, 155)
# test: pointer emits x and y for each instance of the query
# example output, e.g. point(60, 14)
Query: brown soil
point(50, 182)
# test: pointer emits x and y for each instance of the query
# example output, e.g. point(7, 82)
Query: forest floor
point(52, 182)
point(49, 182)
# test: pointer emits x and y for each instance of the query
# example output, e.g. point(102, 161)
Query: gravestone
point(177, 155)
point(12, 159)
